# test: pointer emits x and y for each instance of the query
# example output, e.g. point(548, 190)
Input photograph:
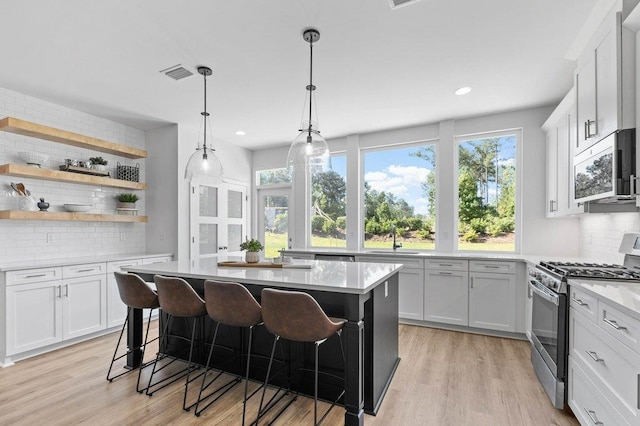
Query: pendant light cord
point(205, 114)
point(310, 86)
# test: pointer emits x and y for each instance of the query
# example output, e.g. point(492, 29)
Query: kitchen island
point(365, 294)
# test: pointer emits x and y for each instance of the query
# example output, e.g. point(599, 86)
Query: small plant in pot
point(253, 248)
point(127, 200)
point(99, 163)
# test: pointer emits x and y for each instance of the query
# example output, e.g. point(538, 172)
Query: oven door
point(548, 327)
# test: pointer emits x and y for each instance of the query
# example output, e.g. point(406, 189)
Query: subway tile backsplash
point(601, 234)
point(25, 240)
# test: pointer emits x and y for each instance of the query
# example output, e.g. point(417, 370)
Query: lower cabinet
point(492, 301)
point(84, 305)
point(411, 293)
point(446, 297)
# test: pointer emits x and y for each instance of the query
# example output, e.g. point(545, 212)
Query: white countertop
point(622, 295)
point(340, 277)
point(47, 263)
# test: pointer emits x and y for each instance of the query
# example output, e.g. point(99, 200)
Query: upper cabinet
point(605, 83)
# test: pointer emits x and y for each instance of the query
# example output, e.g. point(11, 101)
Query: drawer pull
point(445, 264)
point(592, 416)
point(86, 270)
point(594, 356)
point(579, 302)
point(445, 273)
point(491, 267)
point(36, 276)
point(614, 324)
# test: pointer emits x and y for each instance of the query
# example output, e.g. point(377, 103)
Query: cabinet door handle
point(36, 276)
point(59, 292)
point(66, 290)
point(586, 130)
point(614, 324)
point(594, 356)
point(471, 282)
point(529, 293)
point(86, 270)
point(579, 302)
point(592, 416)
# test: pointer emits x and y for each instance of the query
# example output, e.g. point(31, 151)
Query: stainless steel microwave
point(606, 171)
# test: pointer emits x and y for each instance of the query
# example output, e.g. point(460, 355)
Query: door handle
point(579, 302)
point(471, 282)
point(614, 324)
point(66, 290)
point(592, 416)
point(59, 292)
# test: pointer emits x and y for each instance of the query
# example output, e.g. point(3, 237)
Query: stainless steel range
point(548, 283)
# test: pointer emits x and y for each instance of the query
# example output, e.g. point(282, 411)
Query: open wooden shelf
point(84, 217)
point(27, 128)
point(47, 174)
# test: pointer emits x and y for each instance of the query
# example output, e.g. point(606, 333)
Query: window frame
point(518, 132)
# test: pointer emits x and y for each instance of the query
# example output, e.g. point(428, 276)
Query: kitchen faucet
point(393, 234)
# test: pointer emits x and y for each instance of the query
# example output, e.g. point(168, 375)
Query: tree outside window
point(487, 193)
point(328, 205)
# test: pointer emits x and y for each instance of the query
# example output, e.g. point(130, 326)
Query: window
point(328, 205)
point(400, 191)
point(487, 192)
point(273, 176)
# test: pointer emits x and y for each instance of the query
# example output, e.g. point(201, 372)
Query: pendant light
point(204, 162)
point(309, 149)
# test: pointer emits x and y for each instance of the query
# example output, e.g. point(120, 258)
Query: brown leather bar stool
point(297, 316)
point(179, 300)
point(136, 294)
point(229, 304)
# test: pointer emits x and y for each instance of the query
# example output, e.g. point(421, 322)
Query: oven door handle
point(548, 297)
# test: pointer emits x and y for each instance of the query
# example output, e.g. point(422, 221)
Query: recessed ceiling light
point(462, 91)
point(240, 132)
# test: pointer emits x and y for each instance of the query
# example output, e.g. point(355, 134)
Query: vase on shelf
point(252, 257)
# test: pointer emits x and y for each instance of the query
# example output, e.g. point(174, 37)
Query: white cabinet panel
point(154, 260)
point(446, 297)
point(586, 103)
point(34, 316)
point(33, 275)
point(411, 294)
point(84, 305)
point(84, 270)
point(552, 172)
point(492, 301)
point(607, 80)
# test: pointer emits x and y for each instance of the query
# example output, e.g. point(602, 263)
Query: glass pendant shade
point(203, 165)
point(309, 151)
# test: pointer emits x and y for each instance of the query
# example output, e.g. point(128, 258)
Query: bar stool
point(136, 294)
point(179, 300)
point(297, 316)
point(229, 304)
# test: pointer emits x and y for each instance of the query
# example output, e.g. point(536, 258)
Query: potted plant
point(99, 163)
point(127, 200)
point(253, 248)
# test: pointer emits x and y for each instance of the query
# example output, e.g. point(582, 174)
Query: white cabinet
point(84, 305)
point(410, 284)
point(561, 136)
point(528, 313)
point(446, 295)
point(492, 295)
point(605, 83)
point(604, 362)
point(33, 315)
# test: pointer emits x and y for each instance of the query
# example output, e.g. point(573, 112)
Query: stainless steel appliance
point(606, 171)
point(548, 283)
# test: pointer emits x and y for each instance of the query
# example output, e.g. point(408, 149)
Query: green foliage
point(317, 223)
point(273, 176)
point(468, 234)
point(280, 222)
point(469, 204)
point(98, 160)
point(479, 225)
point(127, 197)
point(372, 226)
point(328, 194)
point(329, 227)
point(251, 245)
point(415, 223)
point(341, 223)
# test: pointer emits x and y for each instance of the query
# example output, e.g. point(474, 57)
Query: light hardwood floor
point(444, 378)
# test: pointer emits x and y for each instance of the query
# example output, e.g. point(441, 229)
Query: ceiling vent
point(177, 72)
point(398, 3)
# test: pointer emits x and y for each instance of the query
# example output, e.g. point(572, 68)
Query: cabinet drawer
point(84, 270)
point(116, 266)
point(492, 266)
point(619, 325)
point(27, 276)
point(608, 361)
point(154, 260)
point(408, 262)
point(582, 302)
point(452, 264)
point(589, 404)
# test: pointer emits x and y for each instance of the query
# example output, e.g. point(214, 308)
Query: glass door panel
point(208, 201)
point(235, 204)
point(208, 237)
point(273, 219)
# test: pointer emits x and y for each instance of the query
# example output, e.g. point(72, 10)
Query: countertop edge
point(50, 263)
point(587, 287)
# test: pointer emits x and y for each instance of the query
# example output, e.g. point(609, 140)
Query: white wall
point(601, 234)
point(23, 240)
point(553, 237)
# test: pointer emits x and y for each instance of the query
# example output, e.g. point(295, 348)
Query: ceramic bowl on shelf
point(78, 208)
point(33, 158)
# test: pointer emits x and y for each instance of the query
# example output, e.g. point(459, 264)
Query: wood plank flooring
point(444, 378)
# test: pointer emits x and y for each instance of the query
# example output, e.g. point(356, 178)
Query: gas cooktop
point(592, 270)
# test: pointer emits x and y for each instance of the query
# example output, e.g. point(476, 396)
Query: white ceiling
point(375, 68)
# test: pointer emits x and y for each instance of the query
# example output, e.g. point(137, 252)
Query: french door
point(218, 218)
point(273, 220)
